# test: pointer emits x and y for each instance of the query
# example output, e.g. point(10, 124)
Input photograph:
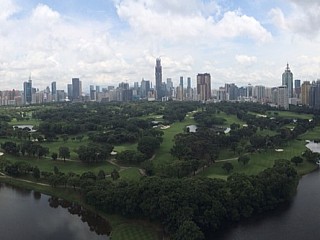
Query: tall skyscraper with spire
point(158, 76)
point(287, 80)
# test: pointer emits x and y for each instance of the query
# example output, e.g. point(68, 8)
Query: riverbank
point(122, 228)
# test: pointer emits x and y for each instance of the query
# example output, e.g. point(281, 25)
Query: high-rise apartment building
point(204, 86)
point(145, 88)
point(297, 88)
point(158, 76)
point(305, 89)
point(283, 100)
point(287, 80)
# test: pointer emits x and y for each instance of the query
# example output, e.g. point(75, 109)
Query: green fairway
point(260, 161)
point(131, 173)
point(230, 119)
point(163, 155)
point(45, 164)
point(124, 147)
point(288, 114)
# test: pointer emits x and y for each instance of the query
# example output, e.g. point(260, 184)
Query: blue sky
point(105, 42)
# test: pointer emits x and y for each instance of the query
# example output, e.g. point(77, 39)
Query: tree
point(227, 167)
point(64, 153)
point(296, 160)
point(36, 173)
point(148, 145)
point(101, 175)
point(115, 175)
point(243, 159)
point(65, 137)
point(10, 147)
point(56, 170)
point(54, 156)
point(188, 230)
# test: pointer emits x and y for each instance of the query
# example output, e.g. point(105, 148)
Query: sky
point(105, 42)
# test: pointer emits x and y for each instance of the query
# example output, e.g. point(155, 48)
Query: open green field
point(133, 232)
point(31, 121)
point(131, 173)
point(124, 147)
point(163, 155)
point(289, 114)
point(230, 119)
point(46, 164)
point(260, 161)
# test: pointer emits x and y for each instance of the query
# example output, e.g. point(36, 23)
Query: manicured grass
point(230, 119)
point(163, 155)
point(290, 114)
point(124, 147)
point(45, 164)
point(311, 135)
point(133, 232)
point(130, 174)
point(31, 121)
point(260, 161)
point(72, 145)
point(226, 154)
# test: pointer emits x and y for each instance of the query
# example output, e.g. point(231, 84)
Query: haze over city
point(105, 42)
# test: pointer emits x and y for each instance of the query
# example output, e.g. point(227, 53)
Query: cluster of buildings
point(290, 92)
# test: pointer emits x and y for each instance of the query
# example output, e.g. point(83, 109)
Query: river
point(29, 215)
point(298, 220)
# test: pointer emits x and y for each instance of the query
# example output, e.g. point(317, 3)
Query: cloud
point(303, 19)
point(165, 20)
point(8, 8)
point(246, 60)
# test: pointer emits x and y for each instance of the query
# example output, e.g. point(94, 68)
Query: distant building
point(204, 86)
point(297, 88)
point(158, 76)
point(76, 89)
point(283, 100)
point(287, 80)
point(305, 89)
point(27, 91)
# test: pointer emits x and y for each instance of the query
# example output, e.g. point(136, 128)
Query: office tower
point(145, 88)
point(136, 85)
point(54, 91)
point(97, 89)
point(76, 89)
point(305, 89)
point(53, 88)
point(287, 80)
point(204, 86)
point(70, 91)
point(297, 88)
point(181, 94)
point(158, 75)
point(124, 86)
point(242, 92)
point(189, 89)
point(27, 91)
point(93, 93)
point(283, 100)
point(232, 91)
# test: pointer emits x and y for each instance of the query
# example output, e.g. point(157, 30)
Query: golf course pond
point(29, 215)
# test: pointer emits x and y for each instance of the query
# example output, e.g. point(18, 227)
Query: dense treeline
point(189, 208)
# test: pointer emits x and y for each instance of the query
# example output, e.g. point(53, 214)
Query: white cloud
point(7, 9)
point(246, 60)
point(149, 17)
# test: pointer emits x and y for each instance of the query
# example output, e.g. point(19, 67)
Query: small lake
point(29, 215)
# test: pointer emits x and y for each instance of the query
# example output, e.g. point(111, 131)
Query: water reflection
point(96, 223)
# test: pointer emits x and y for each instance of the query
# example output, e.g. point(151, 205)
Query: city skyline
point(105, 42)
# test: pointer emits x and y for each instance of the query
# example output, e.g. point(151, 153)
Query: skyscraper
point(204, 86)
point(27, 91)
point(145, 88)
point(54, 88)
point(297, 88)
point(76, 88)
point(158, 75)
point(287, 80)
